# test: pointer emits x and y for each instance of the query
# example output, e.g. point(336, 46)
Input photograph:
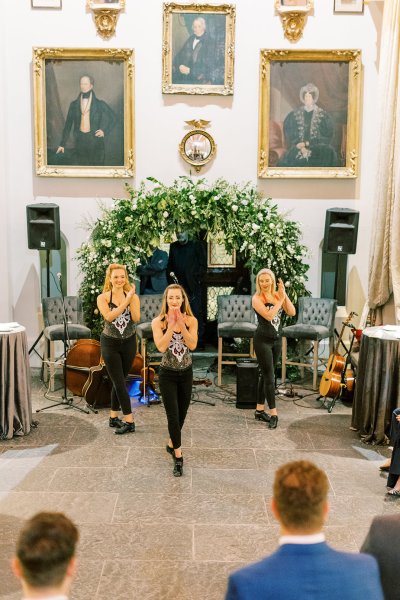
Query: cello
point(331, 381)
point(86, 374)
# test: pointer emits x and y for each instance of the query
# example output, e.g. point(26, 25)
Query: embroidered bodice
point(177, 356)
point(122, 327)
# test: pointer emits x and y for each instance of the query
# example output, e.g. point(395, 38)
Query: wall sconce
point(105, 13)
point(293, 14)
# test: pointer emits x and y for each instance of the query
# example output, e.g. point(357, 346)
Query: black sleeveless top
point(122, 327)
point(270, 329)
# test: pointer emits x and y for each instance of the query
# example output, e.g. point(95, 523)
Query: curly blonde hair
point(185, 307)
point(107, 282)
point(272, 275)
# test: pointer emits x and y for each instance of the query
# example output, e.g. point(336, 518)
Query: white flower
point(251, 247)
point(260, 216)
point(96, 311)
point(193, 212)
point(119, 235)
point(191, 197)
point(234, 207)
point(255, 227)
point(193, 201)
point(245, 202)
point(137, 261)
point(165, 214)
point(127, 249)
point(117, 250)
point(287, 283)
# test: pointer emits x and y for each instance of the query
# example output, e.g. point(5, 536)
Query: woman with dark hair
point(119, 305)
point(175, 334)
point(268, 304)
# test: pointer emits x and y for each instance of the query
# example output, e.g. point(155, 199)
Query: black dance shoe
point(115, 422)
point(126, 428)
point(178, 467)
point(273, 422)
point(169, 450)
point(261, 415)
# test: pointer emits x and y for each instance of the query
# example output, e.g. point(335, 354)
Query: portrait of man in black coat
point(90, 120)
point(199, 60)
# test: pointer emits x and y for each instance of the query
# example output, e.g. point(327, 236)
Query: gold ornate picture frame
point(84, 112)
point(198, 49)
point(309, 113)
point(217, 255)
point(197, 148)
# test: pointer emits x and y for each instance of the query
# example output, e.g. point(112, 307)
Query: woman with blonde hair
point(175, 334)
point(120, 308)
point(268, 302)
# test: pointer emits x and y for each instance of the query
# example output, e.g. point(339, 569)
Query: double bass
point(87, 376)
point(331, 381)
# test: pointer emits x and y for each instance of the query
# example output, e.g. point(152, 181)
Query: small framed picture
point(348, 6)
point(46, 3)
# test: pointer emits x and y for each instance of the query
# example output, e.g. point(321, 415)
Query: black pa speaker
point(43, 222)
point(246, 383)
point(341, 228)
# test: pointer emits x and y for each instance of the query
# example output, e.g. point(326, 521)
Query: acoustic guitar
point(331, 380)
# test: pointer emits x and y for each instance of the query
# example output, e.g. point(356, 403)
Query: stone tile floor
point(148, 535)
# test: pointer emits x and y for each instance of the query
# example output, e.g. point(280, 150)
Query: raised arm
point(110, 314)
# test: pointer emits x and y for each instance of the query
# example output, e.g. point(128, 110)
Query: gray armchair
point(315, 322)
point(53, 331)
point(150, 307)
point(236, 318)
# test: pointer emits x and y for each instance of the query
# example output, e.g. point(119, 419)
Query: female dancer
point(120, 307)
point(268, 304)
point(175, 334)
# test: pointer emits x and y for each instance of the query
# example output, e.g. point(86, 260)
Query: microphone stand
point(67, 402)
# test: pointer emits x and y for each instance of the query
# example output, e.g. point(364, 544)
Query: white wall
point(157, 116)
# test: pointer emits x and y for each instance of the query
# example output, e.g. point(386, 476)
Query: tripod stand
point(65, 400)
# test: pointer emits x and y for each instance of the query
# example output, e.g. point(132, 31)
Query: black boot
point(115, 422)
point(126, 428)
point(261, 415)
point(273, 423)
point(178, 467)
point(169, 450)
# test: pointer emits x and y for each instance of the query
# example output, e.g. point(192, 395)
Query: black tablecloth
point(377, 391)
point(15, 384)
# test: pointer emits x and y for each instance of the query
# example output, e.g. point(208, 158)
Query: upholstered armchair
point(315, 322)
point(236, 318)
point(53, 319)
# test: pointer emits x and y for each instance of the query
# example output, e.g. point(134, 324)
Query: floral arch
point(129, 231)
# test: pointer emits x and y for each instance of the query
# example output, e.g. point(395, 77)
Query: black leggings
point(176, 391)
point(118, 356)
point(267, 352)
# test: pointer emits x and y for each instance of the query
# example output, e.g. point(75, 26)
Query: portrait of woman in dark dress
point(309, 131)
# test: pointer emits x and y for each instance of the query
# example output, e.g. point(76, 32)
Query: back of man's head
point(45, 548)
point(300, 496)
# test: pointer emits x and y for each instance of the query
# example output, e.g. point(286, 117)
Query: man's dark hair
point(45, 547)
point(300, 494)
point(91, 79)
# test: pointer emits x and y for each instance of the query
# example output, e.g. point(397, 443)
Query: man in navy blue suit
point(305, 567)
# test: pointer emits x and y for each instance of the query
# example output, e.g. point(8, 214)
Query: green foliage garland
point(129, 231)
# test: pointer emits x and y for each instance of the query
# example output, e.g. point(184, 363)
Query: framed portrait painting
point(84, 112)
point(198, 49)
point(348, 6)
point(309, 113)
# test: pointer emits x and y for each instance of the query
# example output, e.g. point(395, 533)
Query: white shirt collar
point(315, 538)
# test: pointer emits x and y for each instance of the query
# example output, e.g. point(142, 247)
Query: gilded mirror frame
point(201, 161)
